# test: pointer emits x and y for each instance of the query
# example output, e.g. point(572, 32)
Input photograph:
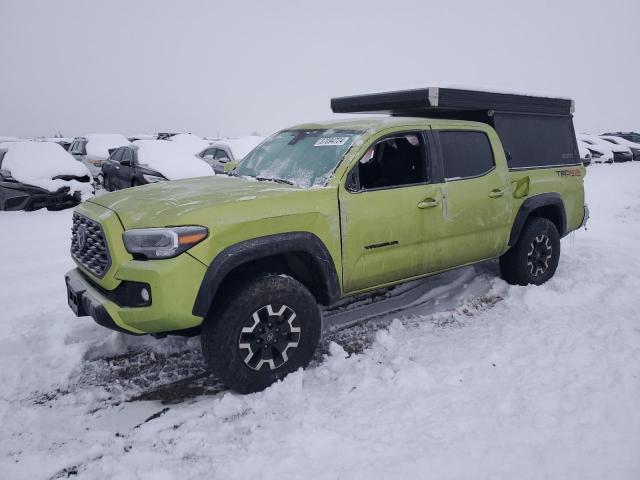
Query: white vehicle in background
point(143, 136)
point(4, 139)
point(36, 175)
point(190, 142)
point(598, 154)
point(223, 151)
point(94, 148)
point(623, 142)
point(64, 142)
point(598, 146)
point(585, 154)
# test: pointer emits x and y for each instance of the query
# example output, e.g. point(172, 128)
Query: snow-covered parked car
point(600, 149)
point(585, 154)
point(94, 148)
point(189, 142)
point(64, 142)
point(633, 146)
point(223, 151)
point(599, 154)
point(150, 161)
point(37, 175)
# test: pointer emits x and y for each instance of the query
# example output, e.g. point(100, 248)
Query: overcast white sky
point(236, 67)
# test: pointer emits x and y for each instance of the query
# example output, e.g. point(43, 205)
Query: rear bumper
point(622, 157)
point(585, 218)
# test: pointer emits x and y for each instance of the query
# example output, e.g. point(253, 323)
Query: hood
point(182, 201)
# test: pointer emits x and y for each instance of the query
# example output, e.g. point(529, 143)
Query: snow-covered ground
point(459, 376)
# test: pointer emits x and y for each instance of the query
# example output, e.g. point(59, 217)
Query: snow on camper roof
point(425, 101)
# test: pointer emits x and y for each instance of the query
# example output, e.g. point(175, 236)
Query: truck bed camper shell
point(536, 131)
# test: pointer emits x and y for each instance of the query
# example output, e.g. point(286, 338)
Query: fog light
point(144, 294)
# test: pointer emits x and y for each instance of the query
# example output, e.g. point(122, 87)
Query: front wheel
point(535, 256)
point(264, 329)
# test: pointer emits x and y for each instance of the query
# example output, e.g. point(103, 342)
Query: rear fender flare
point(553, 200)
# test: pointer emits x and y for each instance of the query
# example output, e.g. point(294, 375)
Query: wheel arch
point(545, 205)
point(299, 254)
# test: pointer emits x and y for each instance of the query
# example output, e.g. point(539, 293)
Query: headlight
point(156, 243)
point(154, 178)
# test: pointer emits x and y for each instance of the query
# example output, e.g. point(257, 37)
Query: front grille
point(88, 245)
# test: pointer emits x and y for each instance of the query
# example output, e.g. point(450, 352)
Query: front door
point(389, 212)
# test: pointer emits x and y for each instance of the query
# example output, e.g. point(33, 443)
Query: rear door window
point(465, 154)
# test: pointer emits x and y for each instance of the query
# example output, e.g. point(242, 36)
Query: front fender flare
point(262, 247)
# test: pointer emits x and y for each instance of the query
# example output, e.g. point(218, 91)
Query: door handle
point(428, 203)
point(496, 193)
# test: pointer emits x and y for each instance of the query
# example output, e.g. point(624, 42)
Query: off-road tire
point(224, 331)
point(534, 258)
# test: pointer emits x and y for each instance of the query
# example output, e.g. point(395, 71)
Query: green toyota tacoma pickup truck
point(322, 211)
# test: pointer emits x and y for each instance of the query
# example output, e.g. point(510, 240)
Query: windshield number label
point(331, 141)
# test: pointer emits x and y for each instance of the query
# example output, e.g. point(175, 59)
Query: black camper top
point(431, 100)
point(536, 132)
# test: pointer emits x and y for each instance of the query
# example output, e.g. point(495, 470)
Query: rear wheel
point(535, 256)
point(266, 328)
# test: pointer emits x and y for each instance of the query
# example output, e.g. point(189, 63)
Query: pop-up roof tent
point(535, 131)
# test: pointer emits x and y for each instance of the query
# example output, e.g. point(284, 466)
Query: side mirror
point(223, 159)
point(230, 166)
point(126, 163)
point(353, 180)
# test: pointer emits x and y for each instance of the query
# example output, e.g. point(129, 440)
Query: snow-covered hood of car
point(39, 163)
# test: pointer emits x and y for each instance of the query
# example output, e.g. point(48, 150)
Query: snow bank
point(171, 160)
point(190, 142)
point(241, 146)
point(36, 163)
point(509, 383)
point(98, 144)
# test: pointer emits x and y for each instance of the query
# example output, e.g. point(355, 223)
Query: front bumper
point(172, 285)
point(23, 197)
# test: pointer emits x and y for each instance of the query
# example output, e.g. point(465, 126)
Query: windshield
point(306, 158)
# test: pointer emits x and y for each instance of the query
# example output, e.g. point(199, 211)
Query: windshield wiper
point(272, 179)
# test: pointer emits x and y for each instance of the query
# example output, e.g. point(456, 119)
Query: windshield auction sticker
point(331, 141)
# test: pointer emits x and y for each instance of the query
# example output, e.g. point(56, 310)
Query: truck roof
point(436, 101)
point(375, 123)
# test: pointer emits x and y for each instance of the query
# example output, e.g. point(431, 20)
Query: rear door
point(476, 194)
point(390, 211)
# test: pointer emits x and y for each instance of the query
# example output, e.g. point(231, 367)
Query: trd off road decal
point(569, 172)
point(331, 142)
